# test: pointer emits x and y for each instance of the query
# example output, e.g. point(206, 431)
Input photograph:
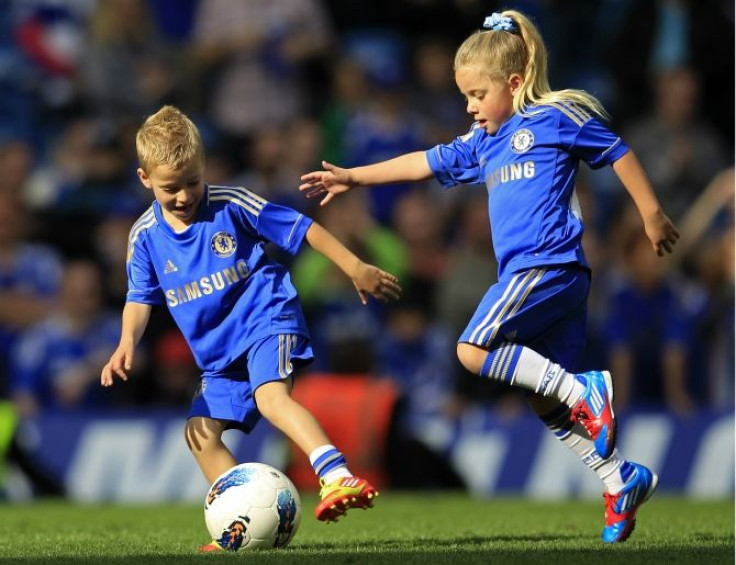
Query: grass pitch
point(403, 529)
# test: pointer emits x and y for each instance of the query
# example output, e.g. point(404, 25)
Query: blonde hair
point(170, 138)
point(499, 54)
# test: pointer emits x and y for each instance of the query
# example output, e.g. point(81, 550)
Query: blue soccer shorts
point(229, 394)
point(544, 308)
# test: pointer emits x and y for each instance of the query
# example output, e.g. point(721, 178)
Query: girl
point(529, 329)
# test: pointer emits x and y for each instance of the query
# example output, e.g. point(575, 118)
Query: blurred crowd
point(278, 85)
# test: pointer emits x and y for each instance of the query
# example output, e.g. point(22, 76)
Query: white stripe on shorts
point(479, 334)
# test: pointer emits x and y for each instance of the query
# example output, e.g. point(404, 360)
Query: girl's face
point(489, 101)
point(178, 191)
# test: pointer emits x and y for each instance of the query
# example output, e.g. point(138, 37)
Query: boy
point(200, 249)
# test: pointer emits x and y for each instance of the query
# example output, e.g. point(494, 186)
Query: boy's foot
point(212, 546)
point(594, 410)
point(621, 507)
point(343, 494)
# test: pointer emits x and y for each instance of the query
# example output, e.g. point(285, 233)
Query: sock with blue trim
point(329, 464)
point(614, 471)
point(521, 366)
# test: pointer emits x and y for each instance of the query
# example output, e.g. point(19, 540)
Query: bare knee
point(202, 434)
point(272, 399)
point(471, 357)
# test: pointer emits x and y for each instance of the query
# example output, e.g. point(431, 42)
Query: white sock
point(544, 377)
point(329, 463)
point(576, 438)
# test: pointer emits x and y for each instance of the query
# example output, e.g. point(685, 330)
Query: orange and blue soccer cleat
point(340, 496)
point(621, 507)
point(594, 410)
point(212, 546)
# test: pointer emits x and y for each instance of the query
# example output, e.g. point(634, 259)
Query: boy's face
point(178, 191)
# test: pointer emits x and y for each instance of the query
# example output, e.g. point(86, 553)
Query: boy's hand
point(333, 180)
point(120, 362)
point(661, 232)
point(379, 284)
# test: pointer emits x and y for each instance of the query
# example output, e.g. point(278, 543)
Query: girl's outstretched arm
point(334, 180)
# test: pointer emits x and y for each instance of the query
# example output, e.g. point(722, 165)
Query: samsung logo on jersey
point(207, 285)
point(507, 173)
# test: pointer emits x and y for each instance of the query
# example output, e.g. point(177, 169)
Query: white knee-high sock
point(575, 437)
point(521, 366)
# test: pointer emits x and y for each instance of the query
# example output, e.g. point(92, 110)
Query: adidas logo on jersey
point(169, 267)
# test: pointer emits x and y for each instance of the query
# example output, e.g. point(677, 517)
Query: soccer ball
point(252, 506)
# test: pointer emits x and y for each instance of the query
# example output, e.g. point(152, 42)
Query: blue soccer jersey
point(529, 167)
point(221, 288)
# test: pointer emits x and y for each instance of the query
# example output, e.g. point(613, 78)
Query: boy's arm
point(658, 227)
point(334, 180)
point(366, 278)
point(135, 319)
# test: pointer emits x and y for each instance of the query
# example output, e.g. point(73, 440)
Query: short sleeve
point(457, 162)
point(590, 140)
point(281, 225)
point(143, 285)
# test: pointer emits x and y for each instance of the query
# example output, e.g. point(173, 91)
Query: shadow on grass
point(469, 550)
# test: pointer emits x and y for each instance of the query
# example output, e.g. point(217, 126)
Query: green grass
point(403, 529)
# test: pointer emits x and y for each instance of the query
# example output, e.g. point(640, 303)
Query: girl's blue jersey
point(529, 167)
point(221, 288)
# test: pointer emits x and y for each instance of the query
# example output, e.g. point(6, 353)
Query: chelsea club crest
point(223, 244)
point(522, 141)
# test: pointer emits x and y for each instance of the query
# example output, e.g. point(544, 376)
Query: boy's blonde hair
point(170, 138)
point(499, 54)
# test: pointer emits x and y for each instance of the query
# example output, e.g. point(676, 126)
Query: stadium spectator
point(415, 352)
point(647, 328)
point(259, 51)
point(681, 151)
point(127, 69)
point(55, 364)
point(433, 93)
point(349, 93)
point(421, 223)
point(653, 36)
point(30, 275)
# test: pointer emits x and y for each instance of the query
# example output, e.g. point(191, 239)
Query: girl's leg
point(517, 365)
point(627, 485)
point(204, 438)
point(589, 395)
point(556, 416)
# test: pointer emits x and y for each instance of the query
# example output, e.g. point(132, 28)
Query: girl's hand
point(120, 362)
point(333, 180)
point(379, 284)
point(661, 232)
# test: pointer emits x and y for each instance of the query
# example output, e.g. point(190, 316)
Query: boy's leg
point(270, 368)
point(204, 439)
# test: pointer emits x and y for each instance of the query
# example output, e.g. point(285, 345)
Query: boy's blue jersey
point(529, 167)
point(221, 288)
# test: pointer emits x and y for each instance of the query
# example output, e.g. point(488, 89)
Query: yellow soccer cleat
point(212, 546)
point(342, 495)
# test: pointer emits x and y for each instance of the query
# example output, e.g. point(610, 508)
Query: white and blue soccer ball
point(252, 506)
